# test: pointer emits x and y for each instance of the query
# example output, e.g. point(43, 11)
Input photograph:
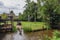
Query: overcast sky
point(15, 5)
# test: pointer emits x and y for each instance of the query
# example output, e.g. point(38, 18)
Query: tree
point(31, 11)
point(50, 11)
point(20, 16)
point(4, 16)
point(12, 14)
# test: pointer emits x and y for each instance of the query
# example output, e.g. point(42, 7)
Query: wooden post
point(0, 19)
point(11, 18)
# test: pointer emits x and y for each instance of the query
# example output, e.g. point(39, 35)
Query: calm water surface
point(26, 36)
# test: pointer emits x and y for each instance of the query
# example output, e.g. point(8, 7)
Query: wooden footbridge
point(4, 26)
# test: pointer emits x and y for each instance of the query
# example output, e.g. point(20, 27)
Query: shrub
point(56, 35)
point(14, 29)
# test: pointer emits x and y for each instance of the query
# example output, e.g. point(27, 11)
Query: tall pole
point(0, 19)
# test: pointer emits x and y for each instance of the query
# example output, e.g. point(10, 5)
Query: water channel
point(39, 35)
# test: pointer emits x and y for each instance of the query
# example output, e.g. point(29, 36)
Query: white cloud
point(15, 5)
point(1, 3)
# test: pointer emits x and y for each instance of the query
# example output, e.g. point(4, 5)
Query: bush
point(56, 35)
point(14, 29)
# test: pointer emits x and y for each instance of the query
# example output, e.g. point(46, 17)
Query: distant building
point(10, 14)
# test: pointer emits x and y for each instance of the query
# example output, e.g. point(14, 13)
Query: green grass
point(30, 26)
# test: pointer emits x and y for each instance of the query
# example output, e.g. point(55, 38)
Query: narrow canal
point(25, 36)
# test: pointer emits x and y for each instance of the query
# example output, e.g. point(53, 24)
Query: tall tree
point(20, 16)
point(50, 10)
point(28, 8)
point(31, 10)
point(12, 14)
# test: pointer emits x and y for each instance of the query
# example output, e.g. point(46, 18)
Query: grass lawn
point(30, 26)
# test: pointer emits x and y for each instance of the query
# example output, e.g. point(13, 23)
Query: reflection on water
point(40, 35)
point(17, 36)
point(12, 36)
point(4, 36)
point(26, 36)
